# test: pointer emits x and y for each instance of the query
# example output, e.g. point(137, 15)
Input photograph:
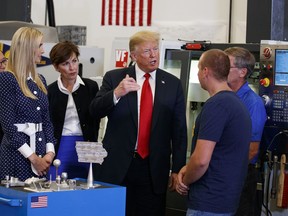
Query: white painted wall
point(184, 19)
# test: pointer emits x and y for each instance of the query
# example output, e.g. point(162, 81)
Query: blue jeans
point(191, 212)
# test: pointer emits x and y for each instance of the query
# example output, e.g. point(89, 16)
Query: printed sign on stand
point(121, 58)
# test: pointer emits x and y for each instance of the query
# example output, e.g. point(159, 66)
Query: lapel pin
point(163, 82)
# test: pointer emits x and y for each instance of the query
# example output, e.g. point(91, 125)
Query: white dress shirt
point(71, 125)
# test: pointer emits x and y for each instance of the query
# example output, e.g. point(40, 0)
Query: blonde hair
point(143, 36)
point(21, 61)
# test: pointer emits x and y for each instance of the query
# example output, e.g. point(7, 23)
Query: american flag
point(39, 201)
point(126, 12)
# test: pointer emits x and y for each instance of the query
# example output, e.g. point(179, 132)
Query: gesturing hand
point(128, 84)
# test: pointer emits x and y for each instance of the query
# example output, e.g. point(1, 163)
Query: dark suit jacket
point(168, 135)
point(82, 98)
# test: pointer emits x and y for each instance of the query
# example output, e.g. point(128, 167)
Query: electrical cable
point(265, 205)
point(276, 135)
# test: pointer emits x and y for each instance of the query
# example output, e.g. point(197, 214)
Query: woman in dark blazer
point(69, 100)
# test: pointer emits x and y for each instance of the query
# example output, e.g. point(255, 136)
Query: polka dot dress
point(15, 108)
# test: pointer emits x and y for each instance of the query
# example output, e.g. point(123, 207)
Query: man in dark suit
point(119, 98)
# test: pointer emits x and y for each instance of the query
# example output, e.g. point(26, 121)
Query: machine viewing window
point(281, 67)
point(194, 71)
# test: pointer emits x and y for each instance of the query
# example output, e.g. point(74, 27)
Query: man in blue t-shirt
point(214, 176)
point(242, 64)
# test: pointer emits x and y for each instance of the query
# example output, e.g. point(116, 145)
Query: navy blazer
point(82, 98)
point(168, 135)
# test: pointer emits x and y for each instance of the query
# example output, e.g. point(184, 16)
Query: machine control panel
point(273, 82)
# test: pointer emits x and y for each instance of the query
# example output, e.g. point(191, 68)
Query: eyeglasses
point(3, 61)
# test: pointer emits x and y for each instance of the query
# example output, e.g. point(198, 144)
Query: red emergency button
point(265, 82)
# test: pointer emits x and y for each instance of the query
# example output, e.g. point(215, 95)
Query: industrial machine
point(185, 63)
point(64, 196)
point(21, 199)
point(274, 82)
point(273, 89)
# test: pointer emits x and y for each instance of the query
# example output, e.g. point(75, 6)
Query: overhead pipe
point(51, 14)
point(230, 21)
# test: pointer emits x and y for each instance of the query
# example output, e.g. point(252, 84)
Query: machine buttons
point(269, 67)
point(265, 82)
point(263, 66)
point(278, 104)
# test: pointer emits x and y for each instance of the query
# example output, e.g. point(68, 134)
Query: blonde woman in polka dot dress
point(27, 148)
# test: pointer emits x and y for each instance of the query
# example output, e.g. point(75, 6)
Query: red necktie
point(146, 106)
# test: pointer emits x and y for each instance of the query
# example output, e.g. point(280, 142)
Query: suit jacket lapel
point(132, 97)
point(159, 93)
